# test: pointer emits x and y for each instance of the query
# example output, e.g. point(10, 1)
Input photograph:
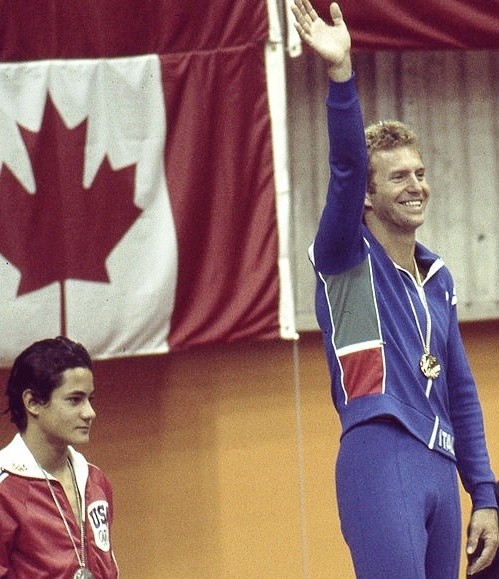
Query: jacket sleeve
point(8, 526)
point(339, 243)
point(472, 456)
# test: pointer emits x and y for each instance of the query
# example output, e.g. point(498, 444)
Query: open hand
point(332, 42)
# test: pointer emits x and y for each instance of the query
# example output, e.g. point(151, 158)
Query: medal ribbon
point(80, 558)
point(425, 341)
point(428, 364)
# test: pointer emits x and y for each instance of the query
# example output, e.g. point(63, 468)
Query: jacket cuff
point(484, 497)
point(342, 94)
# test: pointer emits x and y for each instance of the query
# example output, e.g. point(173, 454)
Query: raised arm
point(332, 42)
point(338, 245)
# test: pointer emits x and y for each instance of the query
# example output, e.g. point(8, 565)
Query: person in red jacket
point(56, 509)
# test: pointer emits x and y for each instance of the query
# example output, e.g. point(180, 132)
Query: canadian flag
point(141, 210)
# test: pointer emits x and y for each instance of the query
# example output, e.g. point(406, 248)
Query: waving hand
point(332, 42)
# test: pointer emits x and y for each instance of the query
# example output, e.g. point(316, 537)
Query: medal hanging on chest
point(83, 573)
point(428, 363)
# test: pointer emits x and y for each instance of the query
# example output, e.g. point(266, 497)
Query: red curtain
point(420, 24)
point(112, 28)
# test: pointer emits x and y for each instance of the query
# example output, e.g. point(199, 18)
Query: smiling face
point(399, 192)
point(67, 417)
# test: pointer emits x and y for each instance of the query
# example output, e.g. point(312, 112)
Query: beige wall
point(205, 453)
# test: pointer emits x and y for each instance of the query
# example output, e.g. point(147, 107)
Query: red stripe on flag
point(219, 171)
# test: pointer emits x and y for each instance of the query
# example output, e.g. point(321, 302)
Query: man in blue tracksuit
point(400, 379)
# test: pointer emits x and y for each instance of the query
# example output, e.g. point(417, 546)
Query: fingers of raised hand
point(304, 13)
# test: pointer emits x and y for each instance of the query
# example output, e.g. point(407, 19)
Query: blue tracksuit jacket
point(372, 342)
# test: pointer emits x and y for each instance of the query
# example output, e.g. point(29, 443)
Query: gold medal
point(429, 365)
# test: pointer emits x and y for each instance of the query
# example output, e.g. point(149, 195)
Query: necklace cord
point(428, 363)
point(80, 557)
point(425, 340)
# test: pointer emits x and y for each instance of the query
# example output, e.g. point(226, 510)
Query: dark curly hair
point(39, 368)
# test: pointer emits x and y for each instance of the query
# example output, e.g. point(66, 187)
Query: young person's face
point(400, 193)
point(68, 415)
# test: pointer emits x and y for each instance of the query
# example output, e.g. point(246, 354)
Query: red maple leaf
point(63, 231)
